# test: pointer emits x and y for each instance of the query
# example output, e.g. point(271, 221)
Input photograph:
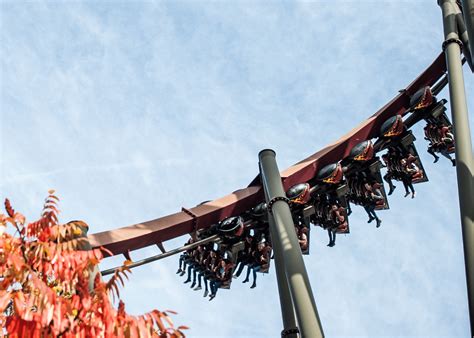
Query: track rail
point(137, 236)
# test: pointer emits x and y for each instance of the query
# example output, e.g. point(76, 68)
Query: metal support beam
point(290, 328)
point(285, 240)
point(468, 14)
point(213, 238)
point(462, 135)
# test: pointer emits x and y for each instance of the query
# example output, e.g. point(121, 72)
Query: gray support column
point(290, 329)
point(468, 13)
point(462, 135)
point(293, 264)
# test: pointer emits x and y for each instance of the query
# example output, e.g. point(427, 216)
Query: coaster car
point(331, 174)
point(231, 226)
point(330, 212)
point(422, 99)
point(400, 148)
point(441, 138)
point(335, 187)
point(259, 211)
point(299, 194)
point(366, 193)
point(439, 134)
point(363, 151)
point(403, 164)
point(438, 130)
point(424, 105)
point(392, 127)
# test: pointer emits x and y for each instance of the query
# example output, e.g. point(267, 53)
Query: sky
point(131, 110)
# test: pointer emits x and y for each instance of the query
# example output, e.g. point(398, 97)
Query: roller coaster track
point(155, 232)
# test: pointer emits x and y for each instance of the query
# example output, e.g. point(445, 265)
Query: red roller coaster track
point(133, 237)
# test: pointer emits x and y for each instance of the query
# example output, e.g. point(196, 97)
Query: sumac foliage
point(50, 285)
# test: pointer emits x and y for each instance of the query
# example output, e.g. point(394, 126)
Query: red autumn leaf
point(8, 208)
point(5, 297)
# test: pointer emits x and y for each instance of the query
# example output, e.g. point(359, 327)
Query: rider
point(245, 255)
point(390, 173)
point(338, 222)
point(303, 238)
point(261, 262)
point(221, 275)
point(411, 172)
point(184, 257)
point(375, 196)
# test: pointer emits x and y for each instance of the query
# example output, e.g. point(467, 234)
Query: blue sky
point(132, 110)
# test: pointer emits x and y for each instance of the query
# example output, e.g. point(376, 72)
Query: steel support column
point(290, 328)
point(286, 241)
point(468, 13)
point(462, 136)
